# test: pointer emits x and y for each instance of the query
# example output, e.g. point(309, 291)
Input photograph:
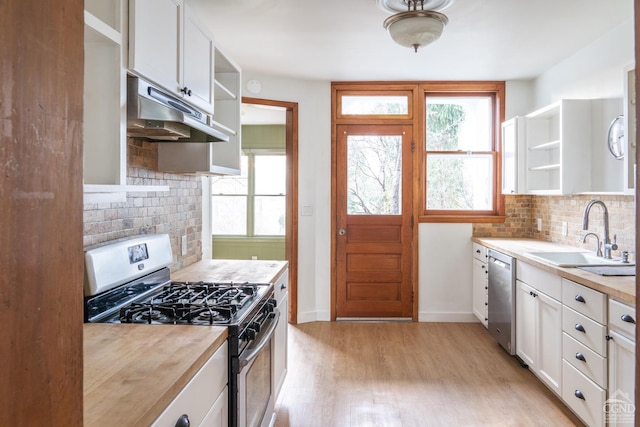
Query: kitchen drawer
point(587, 331)
point(198, 397)
point(585, 360)
point(618, 311)
point(582, 395)
point(589, 302)
point(541, 280)
point(480, 252)
point(281, 287)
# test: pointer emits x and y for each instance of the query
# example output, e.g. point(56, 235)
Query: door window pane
point(374, 175)
point(459, 123)
point(269, 215)
point(459, 182)
point(375, 105)
point(229, 215)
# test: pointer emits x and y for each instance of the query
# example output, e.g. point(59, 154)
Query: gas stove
point(129, 281)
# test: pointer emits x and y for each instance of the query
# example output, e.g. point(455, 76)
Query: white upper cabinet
point(549, 150)
point(198, 64)
point(104, 95)
point(558, 148)
point(513, 176)
point(630, 131)
point(171, 48)
point(215, 158)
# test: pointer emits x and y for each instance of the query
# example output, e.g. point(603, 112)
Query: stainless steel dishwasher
point(502, 313)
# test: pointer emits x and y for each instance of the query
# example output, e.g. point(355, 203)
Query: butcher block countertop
point(132, 372)
point(239, 271)
point(621, 288)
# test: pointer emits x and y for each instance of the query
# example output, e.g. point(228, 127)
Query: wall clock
point(615, 137)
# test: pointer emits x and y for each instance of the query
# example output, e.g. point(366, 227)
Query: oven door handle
point(264, 339)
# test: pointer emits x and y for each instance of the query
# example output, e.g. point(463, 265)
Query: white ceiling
point(343, 40)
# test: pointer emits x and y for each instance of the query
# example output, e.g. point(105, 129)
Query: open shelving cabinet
point(558, 153)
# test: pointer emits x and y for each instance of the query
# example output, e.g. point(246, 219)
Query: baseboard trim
point(447, 317)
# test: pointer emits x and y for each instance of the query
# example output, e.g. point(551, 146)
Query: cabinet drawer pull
point(580, 356)
point(580, 298)
point(283, 286)
point(579, 327)
point(579, 394)
point(627, 318)
point(183, 421)
point(477, 251)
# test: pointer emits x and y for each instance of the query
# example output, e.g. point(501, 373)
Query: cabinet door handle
point(186, 91)
point(627, 318)
point(580, 356)
point(580, 328)
point(283, 286)
point(580, 298)
point(579, 394)
point(183, 421)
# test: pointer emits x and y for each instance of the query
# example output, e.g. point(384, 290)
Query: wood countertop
point(621, 288)
point(239, 271)
point(132, 372)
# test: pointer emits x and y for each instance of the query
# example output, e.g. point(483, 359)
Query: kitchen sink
point(574, 259)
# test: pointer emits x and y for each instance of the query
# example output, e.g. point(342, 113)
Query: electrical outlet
point(565, 228)
point(254, 257)
point(184, 245)
point(539, 226)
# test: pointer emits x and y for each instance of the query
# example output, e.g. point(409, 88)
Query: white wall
point(314, 185)
point(445, 274)
point(596, 71)
point(444, 268)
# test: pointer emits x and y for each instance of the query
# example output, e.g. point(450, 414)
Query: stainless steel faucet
point(598, 247)
point(608, 245)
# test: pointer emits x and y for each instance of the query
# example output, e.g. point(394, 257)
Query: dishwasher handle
point(499, 263)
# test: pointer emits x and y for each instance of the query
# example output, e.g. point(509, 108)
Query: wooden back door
point(374, 221)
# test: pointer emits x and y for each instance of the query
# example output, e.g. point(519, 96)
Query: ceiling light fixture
point(416, 27)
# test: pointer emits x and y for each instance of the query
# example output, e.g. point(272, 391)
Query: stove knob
point(250, 334)
point(269, 307)
point(255, 326)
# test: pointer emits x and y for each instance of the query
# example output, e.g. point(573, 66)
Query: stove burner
point(197, 303)
point(147, 313)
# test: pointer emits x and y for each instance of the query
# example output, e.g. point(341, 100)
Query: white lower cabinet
point(280, 337)
point(539, 323)
point(204, 400)
point(622, 360)
point(538, 334)
point(218, 415)
point(480, 284)
point(584, 367)
point(582, 395)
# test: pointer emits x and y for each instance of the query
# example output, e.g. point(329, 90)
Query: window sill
point(461, 218)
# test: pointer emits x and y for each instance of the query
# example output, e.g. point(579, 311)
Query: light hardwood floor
point(392, 374)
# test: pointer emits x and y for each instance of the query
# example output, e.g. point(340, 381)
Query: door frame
point(418, 127)
point(346, 221)
point(291, 222)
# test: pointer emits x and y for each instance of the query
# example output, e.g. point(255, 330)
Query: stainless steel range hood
point(155, 115)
